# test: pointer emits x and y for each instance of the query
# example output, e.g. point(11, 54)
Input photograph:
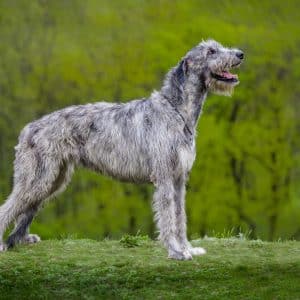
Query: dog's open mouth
point(225, 76)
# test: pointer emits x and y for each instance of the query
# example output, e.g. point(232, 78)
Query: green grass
point(88, 269)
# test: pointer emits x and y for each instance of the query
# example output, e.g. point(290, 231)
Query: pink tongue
point(228, 75)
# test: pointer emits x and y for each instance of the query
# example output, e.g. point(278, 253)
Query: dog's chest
point(187, 155)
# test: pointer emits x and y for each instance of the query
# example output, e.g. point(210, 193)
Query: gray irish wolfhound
point(148, 140)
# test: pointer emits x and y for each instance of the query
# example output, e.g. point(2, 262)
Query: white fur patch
point(196, 251)
point(187, 158)
point(32, 239)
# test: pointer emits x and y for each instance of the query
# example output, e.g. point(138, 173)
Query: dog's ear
point(182, 70)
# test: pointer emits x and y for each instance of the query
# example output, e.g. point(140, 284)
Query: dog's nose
point(240, 54)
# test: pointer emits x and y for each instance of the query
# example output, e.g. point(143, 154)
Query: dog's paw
point(32, 239)
point(178, 255)
point(3, 247)
point(196, 251)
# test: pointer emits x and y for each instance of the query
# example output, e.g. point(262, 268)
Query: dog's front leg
point(180, 221)
point(163, 205)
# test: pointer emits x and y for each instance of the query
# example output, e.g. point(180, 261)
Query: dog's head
point(210, 62)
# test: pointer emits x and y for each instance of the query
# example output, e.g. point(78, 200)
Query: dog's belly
point(122, 166)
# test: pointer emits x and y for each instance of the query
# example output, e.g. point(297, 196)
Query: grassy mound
point(139, 269)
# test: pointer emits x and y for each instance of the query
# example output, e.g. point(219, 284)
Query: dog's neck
point(187, 97)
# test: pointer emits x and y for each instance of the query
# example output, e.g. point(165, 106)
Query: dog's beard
point(220, 87)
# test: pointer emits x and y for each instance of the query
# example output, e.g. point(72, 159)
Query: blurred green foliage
point(246, 175)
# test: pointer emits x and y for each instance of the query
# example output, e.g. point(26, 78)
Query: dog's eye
point(211, 51)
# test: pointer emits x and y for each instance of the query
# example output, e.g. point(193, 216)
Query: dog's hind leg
point(41, 180)
point(16, 204)
point(21, 230)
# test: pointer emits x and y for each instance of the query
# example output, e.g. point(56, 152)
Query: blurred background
point(247, 172)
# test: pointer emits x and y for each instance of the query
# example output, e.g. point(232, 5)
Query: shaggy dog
point(147, 140)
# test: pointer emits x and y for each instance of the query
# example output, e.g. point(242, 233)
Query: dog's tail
point(8, 212)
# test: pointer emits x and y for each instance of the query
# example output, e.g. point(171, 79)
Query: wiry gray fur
point(148, 140)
